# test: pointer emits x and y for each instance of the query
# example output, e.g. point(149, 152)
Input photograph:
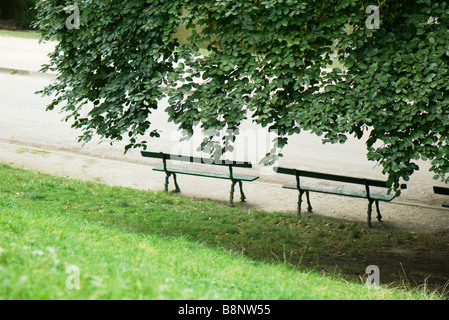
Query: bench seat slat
point(332, 177)
point(242, 177)
point(340, 191)
point(198, 160)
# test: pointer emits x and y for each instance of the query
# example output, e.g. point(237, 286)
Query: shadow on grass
point(337, 249)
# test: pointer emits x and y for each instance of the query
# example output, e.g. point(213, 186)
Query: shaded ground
point(419, 262)
point(8, 25)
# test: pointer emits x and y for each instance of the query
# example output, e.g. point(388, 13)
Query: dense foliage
point(21, 12)
point(268, 60)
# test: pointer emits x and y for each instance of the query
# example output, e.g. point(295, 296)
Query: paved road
point(24, 54)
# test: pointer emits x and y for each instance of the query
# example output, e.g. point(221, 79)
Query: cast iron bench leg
point(309, 206)
point(370, 210)
point(167, 180)
point(231, 196)
point(176, 183)
point(379, 216)
point(242, 195)
point(300, 201)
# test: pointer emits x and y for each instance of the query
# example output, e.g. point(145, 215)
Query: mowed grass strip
point(133, 244)
point(21, 34)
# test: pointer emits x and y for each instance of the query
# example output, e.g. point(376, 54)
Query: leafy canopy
point(269, 61)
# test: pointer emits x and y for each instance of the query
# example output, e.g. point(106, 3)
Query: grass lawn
point(134, 244)
point(21, 34)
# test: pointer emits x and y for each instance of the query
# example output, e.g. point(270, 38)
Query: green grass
point(32, 151)
point(21, 34)
point(134, 244)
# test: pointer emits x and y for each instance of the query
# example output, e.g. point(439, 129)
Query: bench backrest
point(334, 177)
point(441, 190)
point(167, 156)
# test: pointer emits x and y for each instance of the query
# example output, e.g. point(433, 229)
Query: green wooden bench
point(230, 175)
point(373, 197)
point(442, 190)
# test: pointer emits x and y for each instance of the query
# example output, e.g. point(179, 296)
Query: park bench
point(230, 175)
point(442, 190)
point(373, 197)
